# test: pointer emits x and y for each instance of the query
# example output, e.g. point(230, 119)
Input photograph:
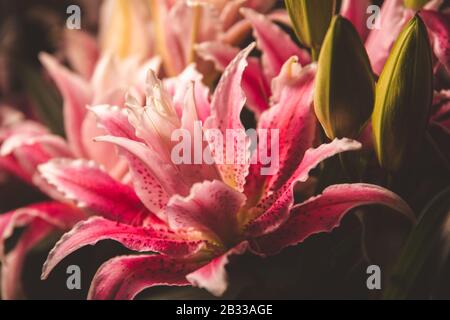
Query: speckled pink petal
point(76, 94)
point(292, 115)
point(213, 276)
point(211, 208)
point(273, 209)
point(226, 107)
point(254, 82)
point(324, 212)
point(84, 183)
point(154, 181)
point(275, 44)
point(142, 239)
point(439, 30)
point(122, 278)
point(355, 11)
point(393, 17)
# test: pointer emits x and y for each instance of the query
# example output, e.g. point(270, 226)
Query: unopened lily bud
point(311, 20)
point(345, 85)
point(403, 97)
point(415, 4)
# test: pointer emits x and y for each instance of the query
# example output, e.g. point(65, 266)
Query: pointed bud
point(345, 86)
point(415, 4)
point(403, 97)
point(311, 20)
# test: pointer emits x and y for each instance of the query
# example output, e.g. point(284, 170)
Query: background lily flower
point(26, 144)
point(199, 221)
point(276, 47)
point(144, 29)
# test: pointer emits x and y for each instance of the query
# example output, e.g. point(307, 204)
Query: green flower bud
point(403, 97)
point(415, 4)
point(345, 86)
point(311, 20)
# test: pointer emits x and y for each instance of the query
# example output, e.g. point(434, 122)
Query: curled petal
point(213, 276)
point(226, 107)
point(210, 208)
point(293, 118)
point(59, 215)
point(140, 239)
point(122, 278)
point(275, 44)
point(254, 81)
point(324, 212)
point(273, 209)
point(90, 187)
point(26, 151)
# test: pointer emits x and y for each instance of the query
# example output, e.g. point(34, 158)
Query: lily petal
point(40, 220)
point(254, 81)
point(324, 212)
point(393, 17)
point(211, 208)
point(273, 210)
point(59, 215)
point(355, 11)
point(213, 276)
point(122, 278)
point(275, 44)
point(141, 239)
point(226, 107)
point(76, 94)
point(293, 117)
point(90, 187)
point(11, 271)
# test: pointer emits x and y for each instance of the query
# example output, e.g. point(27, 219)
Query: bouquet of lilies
point(226, 145)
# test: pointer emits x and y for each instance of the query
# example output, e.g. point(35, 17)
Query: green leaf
point(418, 247)
point(345, 87)
point(404, 94)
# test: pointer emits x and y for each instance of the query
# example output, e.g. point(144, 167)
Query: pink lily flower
point(198, 216)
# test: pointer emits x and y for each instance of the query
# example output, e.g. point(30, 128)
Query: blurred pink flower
point(25, 144)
